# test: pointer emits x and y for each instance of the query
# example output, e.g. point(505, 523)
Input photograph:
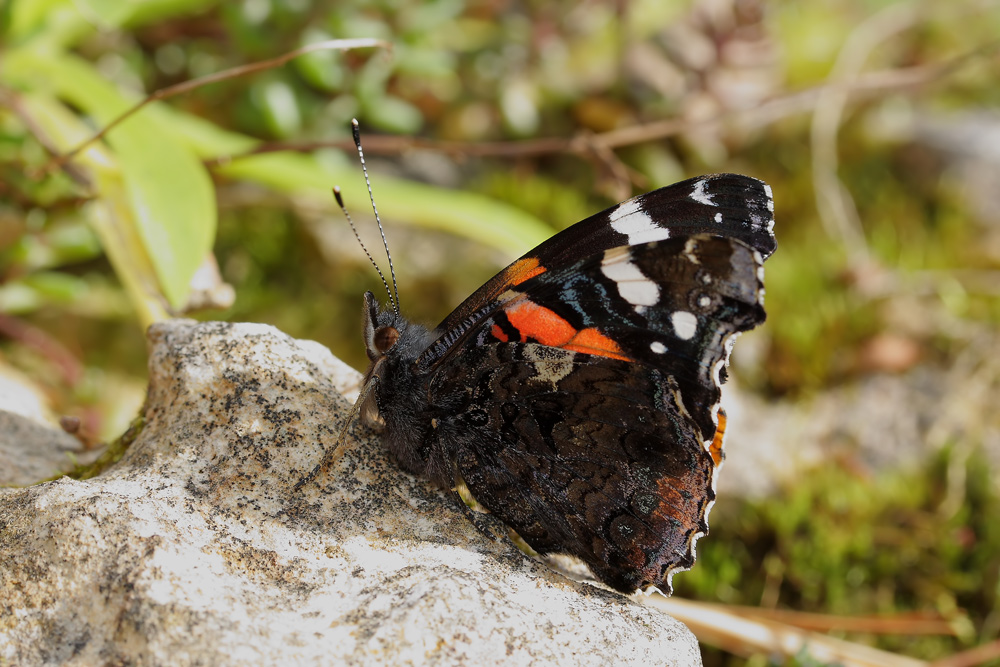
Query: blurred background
point(860, 495)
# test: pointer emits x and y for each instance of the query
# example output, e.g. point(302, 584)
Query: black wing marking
point(582, 455)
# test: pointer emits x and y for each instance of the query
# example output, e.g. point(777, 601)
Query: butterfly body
point(576, 394)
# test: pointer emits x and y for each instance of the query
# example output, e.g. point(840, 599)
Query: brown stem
point(191, 84)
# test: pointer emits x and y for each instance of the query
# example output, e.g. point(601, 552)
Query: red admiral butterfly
point(576, 394)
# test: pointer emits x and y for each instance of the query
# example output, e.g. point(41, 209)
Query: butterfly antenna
point(392, 271)
point(340, 202)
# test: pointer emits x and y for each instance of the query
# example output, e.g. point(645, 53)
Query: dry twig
point(718, 625)
point(866, 86)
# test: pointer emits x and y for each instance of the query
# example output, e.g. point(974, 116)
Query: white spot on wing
point(551, 365)
point(685, 324)
point(699, 194)
point(770, 206)
point(629, 219)
point(727, 346)
point(632, 284)
point(657, 347)
point(718, 218)
point(690, 246)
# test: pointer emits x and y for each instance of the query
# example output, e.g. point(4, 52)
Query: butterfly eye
point(385, 338)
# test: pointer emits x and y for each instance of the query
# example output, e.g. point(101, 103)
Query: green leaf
point(168, 190)
point(474, 216)
point(58, 245)
point(461, 213)
point(66, 22)
point(279, 106)
point(109, 215)
point(393, 114)
point(16, 298)
point(323, 70)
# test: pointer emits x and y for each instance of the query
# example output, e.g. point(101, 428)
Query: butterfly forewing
point(729, 205)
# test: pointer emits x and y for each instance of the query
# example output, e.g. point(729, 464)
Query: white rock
point(196, 548)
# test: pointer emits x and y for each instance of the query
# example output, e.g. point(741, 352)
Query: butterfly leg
point(466, 501)
point(477, 519)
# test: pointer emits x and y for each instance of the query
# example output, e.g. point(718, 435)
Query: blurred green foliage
point(91, 252)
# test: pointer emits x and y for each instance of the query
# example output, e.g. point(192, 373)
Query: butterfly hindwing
point(577, 459)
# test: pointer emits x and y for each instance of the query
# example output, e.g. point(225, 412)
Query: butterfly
point(576, 394)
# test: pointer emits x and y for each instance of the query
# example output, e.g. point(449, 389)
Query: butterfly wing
point(577, 459)
point(584, 410)
point(730, 205)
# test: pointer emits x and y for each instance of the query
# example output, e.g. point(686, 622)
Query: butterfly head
point(392, 394)
point(381, 334)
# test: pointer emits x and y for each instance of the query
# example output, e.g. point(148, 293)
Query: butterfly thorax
point(394, 401)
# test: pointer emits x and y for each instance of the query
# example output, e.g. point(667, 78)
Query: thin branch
point(836, 207)
point(191, 84)
point(13, 100)
point(907, 623)
point(874, 84)
point(718, 625)
point(974, 656)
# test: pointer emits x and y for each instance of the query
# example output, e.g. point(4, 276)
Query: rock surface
point(197, 548)
point(32, 446)
point(30, 451)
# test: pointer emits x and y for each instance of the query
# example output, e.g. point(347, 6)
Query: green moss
point(838, 542)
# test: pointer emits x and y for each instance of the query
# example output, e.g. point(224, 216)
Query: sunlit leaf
point(461, 213)
point(168, 190)
point(109, 214)
point(466, 214)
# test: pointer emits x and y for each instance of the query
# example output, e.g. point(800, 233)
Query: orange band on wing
point(592, 341)
point(499, 334)
point(539, 323)
point(522, 270)
point(715, 449)
point(542, 324)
